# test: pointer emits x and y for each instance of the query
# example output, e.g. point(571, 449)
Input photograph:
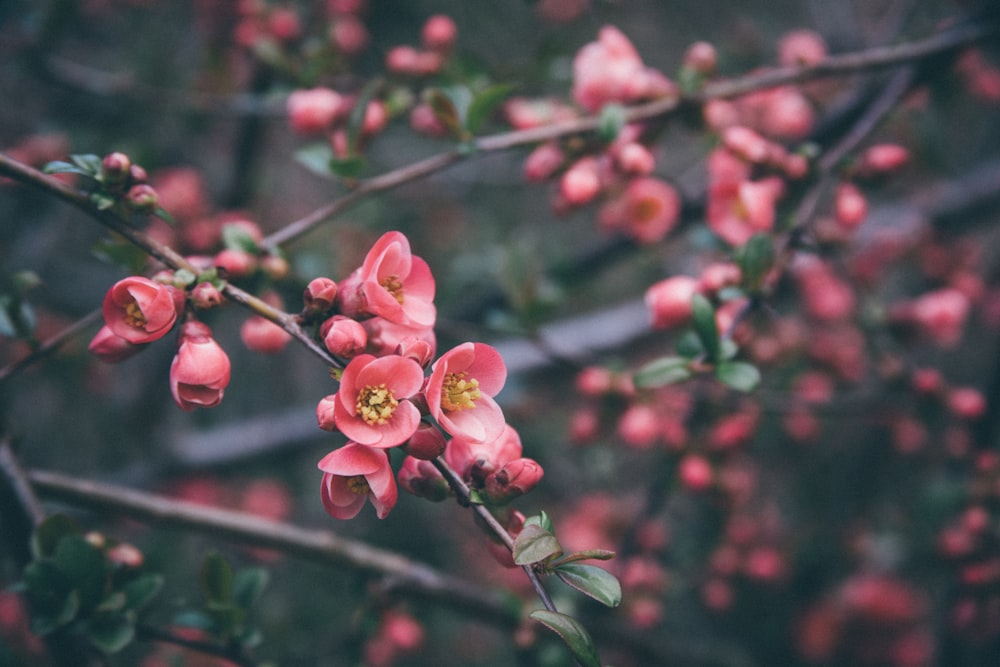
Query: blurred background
point(820, 542)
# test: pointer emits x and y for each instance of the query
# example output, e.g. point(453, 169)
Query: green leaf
point(755, 259)
point(689, 345)
point(703, 316)
point(593, 581)
point(316, 158)
point(541, 519)
point(661, 372)
point(85, 566)
point(236, 237)
point(102, 202)
point(348, 167)
point(89, 164)
point(534, 544)
point(587, 554)
point(139, 592)
point(122, 253)
point(162, 214)
point(611, 122)
point(484, 103)
point(216, 579)
point(446, 109)
point(356, 119)
point(53, 601)
point(739, 375)
point(110, 633)
point(60, 167)
point(573, 634)
point(248, 584)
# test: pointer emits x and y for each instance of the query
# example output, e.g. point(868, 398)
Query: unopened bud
point(115, 168)
point(426, 443)
point(422, 479)
point(142, 198)
point(319, 296)
point(344, 337)
point(515, 479)
point(206, 295)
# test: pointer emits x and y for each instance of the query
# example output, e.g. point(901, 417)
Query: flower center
point(134, 316)
point(394, 286)
point(358, 485)
point(375, 404)
point(459, 393)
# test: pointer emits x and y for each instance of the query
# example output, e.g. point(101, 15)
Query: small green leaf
point(541, 519)
point(248, 584)
point(661, 372)
point(356, 119)
point(316, 158)
point(446, 110)
point(593, 581)
point(89, 164)
point(110, 633)
point(573, 634)
point(534, 544)
point(348, 167)
point(484, 103)
point(60, 167)
point(114, 602)
point(53, 601)
point(587, 554)
point(216, 579)
point(689, 345)
point(236, 237)
point(102, 202)
point(739, 375)
point(755, 259)
point(162, 214)
point(122, 253)
point(85, 566)
point(611, 122)
point(139, 592)
point(703, 316)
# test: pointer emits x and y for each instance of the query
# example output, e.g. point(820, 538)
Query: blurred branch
point(50, 345)
point(321, 546)
point(948, 40)
point(168, 256)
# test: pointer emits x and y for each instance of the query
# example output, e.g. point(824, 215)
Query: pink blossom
point(801, 47)
point(850, 205)
point(737, 211)
point(139, 310)
point(353, 474)
point(372, 406)
point(112, 348)
point(264, 336)
point(543, 162)
point(941, 314)
point(439, 33)
point(314, 110)
point(391, 283)
point(651, 209)
point(385, 337)
point(610, 70)
point(461, 388)
point(581, 182)
point(494, 467)
point(200, 371)
point(669, 301)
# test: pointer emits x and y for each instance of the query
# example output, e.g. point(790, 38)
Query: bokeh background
point(165, 83)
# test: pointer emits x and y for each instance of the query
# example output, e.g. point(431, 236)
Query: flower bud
point(115, 168)
point(439, 33)
point(315, 110)
point(235, 263)
point(200, 370)
point(126, 555)
point(543, 162)
point(514, 479)
point(695, 472)
point(344, 337)
point(142, 198)
point(701, 58)
point(422, 479)
point(112, 348)
point(582, 182)
point(263, 335)
point(426, 443)
point(137, 174)
point(669, 301)
point(275, 267)
point(319, 296)
point(324, 413)
point(850, 205)
point(206, 295)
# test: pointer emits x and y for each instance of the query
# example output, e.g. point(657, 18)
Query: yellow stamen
point(375, 404)
point(394, 286)
point(459, 393)
point(134, 316)
point(358, 485)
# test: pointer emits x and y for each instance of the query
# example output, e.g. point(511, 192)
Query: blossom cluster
point(380, 321)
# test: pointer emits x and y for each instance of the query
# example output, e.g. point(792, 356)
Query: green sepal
point(573, 634)
point(216, 578)
point(484, 103)
point(610, 122)
point(703, 317)
point(592, 581)
point(755, 260)
point(541, 519)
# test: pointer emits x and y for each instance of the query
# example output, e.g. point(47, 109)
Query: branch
point(953, 38)
point(321, 546)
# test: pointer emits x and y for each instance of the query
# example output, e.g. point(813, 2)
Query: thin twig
point(50, 345)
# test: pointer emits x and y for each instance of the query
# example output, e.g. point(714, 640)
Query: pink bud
point(746, 143)
point(142, 198)
point(200, 371)
point(264, 336)
point(695, 472)
point(126, 555)
point(115, 168)
point(284, 24)
point(349, 34)
point(801, 47)
point(314, 110)
point(422, 479)
point(701, 57)
point(343, 336)
point(514, 479)
point(669, 301)
point(235, 263)
point(639, 426)
point(319, 295)
point(850, 205)
point(967, 402)
point(206, 295)
point(634, 158)
point(112, 348)
point(543, 162)
point(582, 181)
point(882, 159)
point(425, 121)
point(594, 381)
point(439, 33)
point(324, 413)
point(426, 443)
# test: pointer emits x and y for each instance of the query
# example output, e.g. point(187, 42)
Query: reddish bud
point(695, 472)
point(582, 182)
point(344, 337)
point(235, 263)
point(669, 301)
point(701, 58)
point(422, 479)
point(206, 295)
point(324, 413)
point(112, 348)
point(319, 296)
point(115, 168)
point(439, 33)
point(126, 555)
point(314, 110)
point(514, 479)
point(142, 198)
point(426, 443)
point(543, 162)
point(850, 205)
point(264, 336)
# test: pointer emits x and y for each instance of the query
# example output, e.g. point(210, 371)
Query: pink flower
point(314, 110)
point(610, 70)
point(738, 210)
point(200, 371)
point(353, 474)
point(391, 283)
point(646, 212)
point(461, 388)
point(264, 336)
point(496, 467)
point(372, 406)
point(669, 301)
point(139, 310)
point(112, 348)
point(422, 479)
